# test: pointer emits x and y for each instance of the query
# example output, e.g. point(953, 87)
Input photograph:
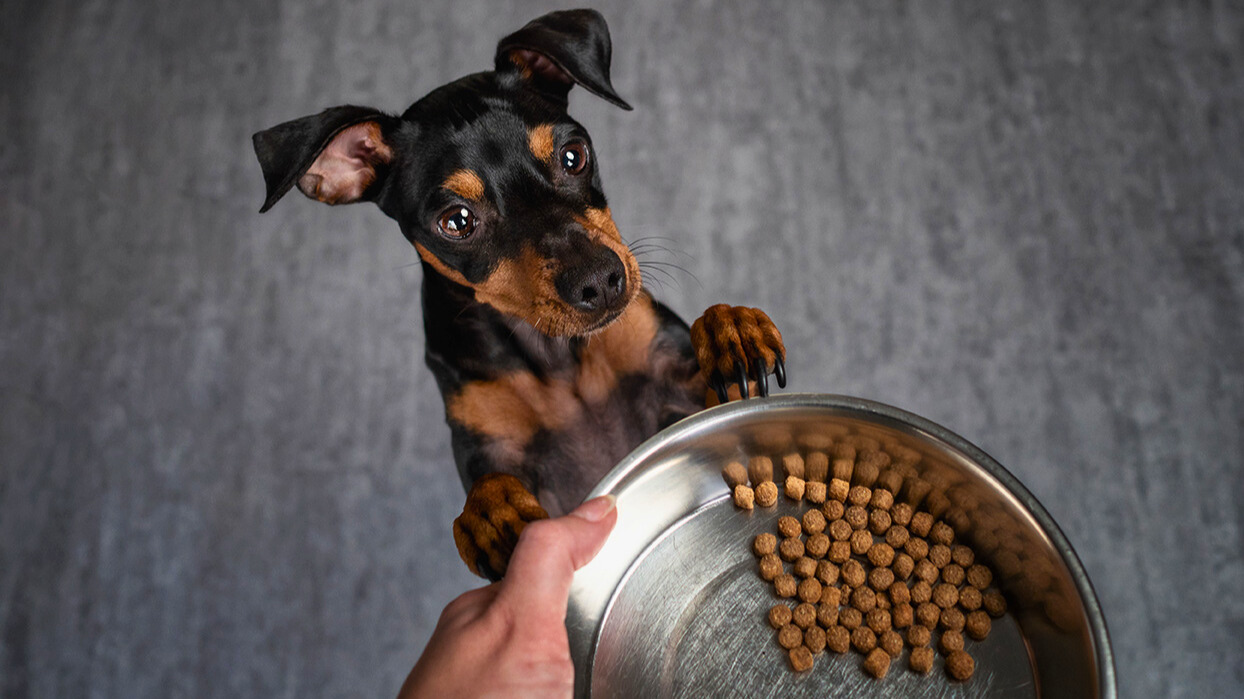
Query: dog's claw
point(718, 384)
point(762, 382)
point(740, 376)
point(779, 370)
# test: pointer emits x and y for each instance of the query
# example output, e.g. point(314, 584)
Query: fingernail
point(595, 509)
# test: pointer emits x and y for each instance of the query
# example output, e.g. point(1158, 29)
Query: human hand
point(509, 639)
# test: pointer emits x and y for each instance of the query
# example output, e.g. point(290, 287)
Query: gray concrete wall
point(224, 470)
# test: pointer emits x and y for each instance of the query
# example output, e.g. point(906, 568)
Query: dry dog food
point(871, 562)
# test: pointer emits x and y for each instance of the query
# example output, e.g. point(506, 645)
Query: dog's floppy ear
point(336, 156)
point(555, 51)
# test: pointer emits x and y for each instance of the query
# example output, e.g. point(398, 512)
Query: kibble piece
point(791, 549)
point(810, 590)
point(994, 603)
point(901, 514)
point(878, 620)
point(770, 567)
point(859, 495)
point(978, 625)
point(883, 602)
point(979, 576)
point(917, 548)
point(792, 465)
point(830, 596)
point(861, 542)
point(834, 510)
point(804, 615)
point(764, 544)
point(902, 615)
point(962, 555)
point(891, 642)
point(952, 619)
point(939, 555)
point(863, 599)
point(863, 639)
point(921, 592)
point(925, 570)
point(817, 467)
point(953, 574)
point(945, 595)
point(838, 639)
point(853, 573)
point(896, 536)
point(760, 469)
point(842, 469)
point(903, 565)
point(928, 614)
point(827, 615)
point(941, 533)
point(827, 572)
point(890, 480)
point(813, 522)
point(877, 663)
point(883, 499)
point(898, 592)
point(766, 494)
point(950, 642)
point(794, 488)
point(817, 546)
point(804, 567)
point(921, 523)
point(919, 636)
point(856, 516)
point(839, 552)
point(800, 659)
point(881, 554)
point(789, 526)
point(790, 636)
point(814, 639)
point(839, 530)
point(960, 665)
point(970, 598)
point(814, 492)
point(850, 618)
point(779, 616)
point(878, 521)
point(839, 489)
point(921, 659)
point(785, 585)
point(881, 579)
point(744, 497)
point(735, 474)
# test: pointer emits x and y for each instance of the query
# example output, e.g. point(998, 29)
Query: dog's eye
point(574, 157)
point(457, 222)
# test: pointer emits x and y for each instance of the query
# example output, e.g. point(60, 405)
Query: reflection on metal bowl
point(673, 607)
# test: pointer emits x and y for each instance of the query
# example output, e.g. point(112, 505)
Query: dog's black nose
point(595, 283)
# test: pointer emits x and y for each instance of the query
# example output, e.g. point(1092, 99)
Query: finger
point(547, 555)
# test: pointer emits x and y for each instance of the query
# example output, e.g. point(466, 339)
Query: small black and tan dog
point(553, 360)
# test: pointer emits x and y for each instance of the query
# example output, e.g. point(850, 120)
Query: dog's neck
point(470, 341)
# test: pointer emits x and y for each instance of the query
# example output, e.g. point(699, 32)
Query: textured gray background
point(224, 469)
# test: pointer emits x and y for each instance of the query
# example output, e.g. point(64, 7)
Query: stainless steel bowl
point(673, 607)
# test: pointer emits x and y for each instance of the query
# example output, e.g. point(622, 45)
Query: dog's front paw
point(496, 510)
point(737, 345)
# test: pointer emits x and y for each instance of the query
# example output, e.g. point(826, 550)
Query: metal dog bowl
point(673, 606)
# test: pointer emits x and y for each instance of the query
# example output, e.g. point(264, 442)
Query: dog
point(553, 359)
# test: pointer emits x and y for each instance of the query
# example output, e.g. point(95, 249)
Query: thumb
point(548, 553)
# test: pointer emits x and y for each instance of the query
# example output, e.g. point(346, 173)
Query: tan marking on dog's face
point(540, 142)
point(622, 348)
point(512, 409)
point(466, 184)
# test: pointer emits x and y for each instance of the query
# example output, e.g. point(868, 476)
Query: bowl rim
point(1099, 633)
